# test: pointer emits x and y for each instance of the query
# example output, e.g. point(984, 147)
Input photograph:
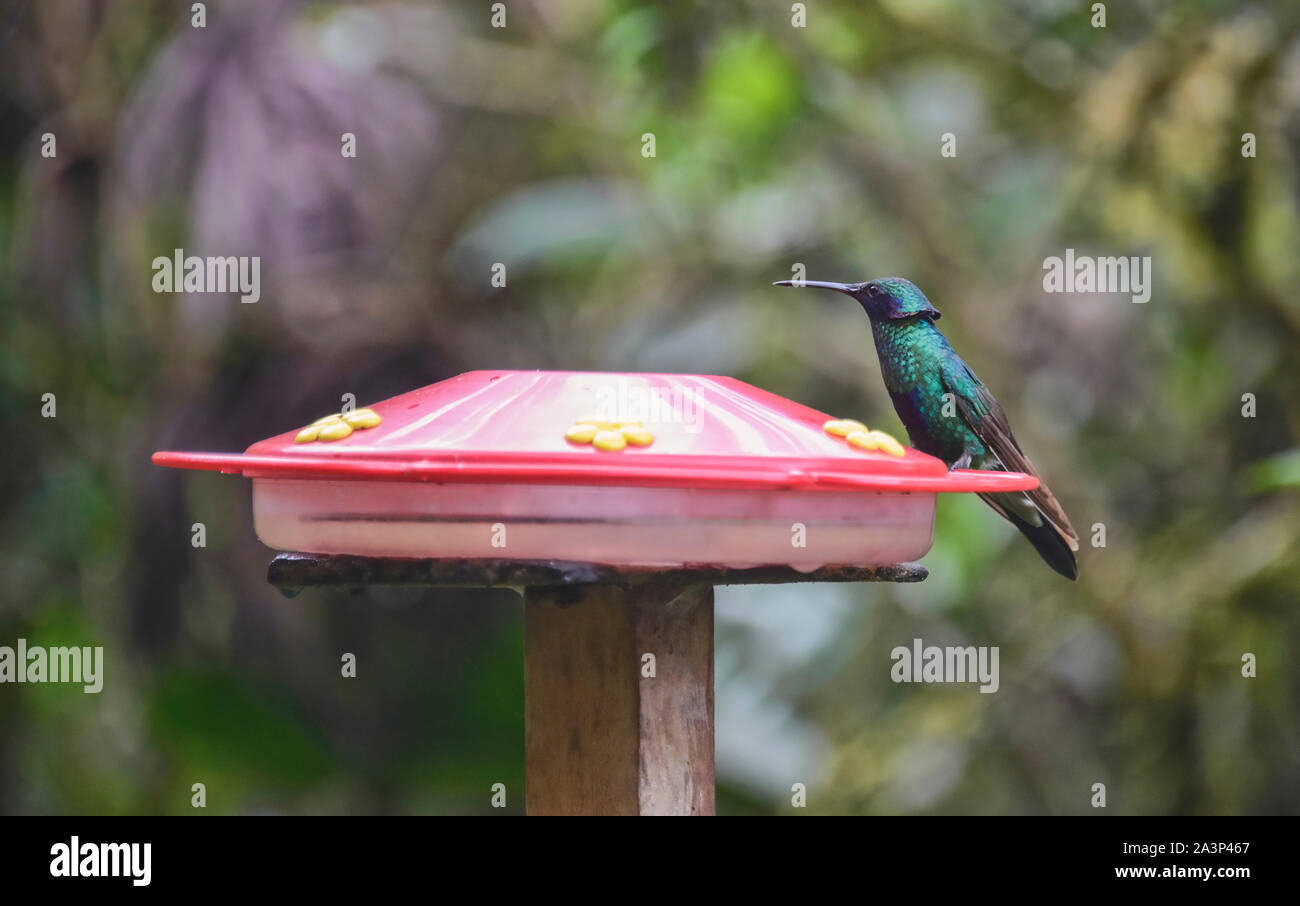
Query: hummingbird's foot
point(962, 462)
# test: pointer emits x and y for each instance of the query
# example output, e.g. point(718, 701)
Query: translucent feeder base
point(592, 524)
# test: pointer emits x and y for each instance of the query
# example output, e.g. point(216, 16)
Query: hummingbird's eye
point(874, 291)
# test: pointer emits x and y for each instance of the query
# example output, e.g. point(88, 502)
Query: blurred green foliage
point(774, 145)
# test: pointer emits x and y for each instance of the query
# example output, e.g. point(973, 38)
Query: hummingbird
point(949, 413)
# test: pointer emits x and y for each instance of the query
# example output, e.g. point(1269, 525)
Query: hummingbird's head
point(884, 299)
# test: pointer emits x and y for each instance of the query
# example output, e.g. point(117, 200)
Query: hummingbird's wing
point(984, 415)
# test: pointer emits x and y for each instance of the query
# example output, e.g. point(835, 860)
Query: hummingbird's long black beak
point(847, 288)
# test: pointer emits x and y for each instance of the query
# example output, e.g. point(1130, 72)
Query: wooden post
point(602, 737)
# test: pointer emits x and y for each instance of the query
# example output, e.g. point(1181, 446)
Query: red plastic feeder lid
point(697, 431)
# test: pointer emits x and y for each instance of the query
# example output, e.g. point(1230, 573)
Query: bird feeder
point(616, 502)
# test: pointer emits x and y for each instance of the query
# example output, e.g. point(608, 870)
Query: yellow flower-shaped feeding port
point(338, 426)
point(862, 437)
point(609, 436)
point(843, 427)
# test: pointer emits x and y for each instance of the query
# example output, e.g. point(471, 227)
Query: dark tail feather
point(1049, 544)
